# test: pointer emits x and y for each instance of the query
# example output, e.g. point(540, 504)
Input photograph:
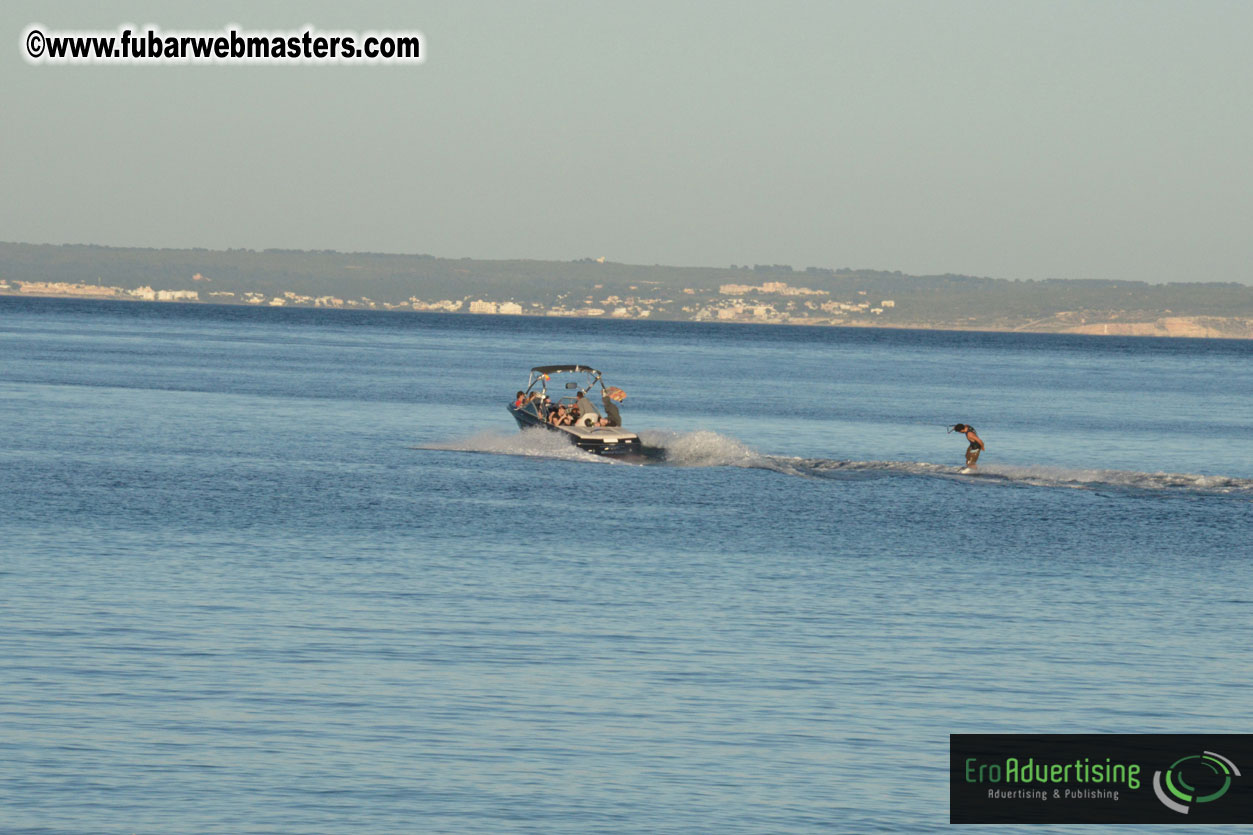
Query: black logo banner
point(1101, 778)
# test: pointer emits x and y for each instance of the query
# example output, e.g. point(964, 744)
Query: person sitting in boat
point(519, 400)
point(588, 416)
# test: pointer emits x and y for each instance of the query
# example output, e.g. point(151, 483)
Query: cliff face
point(1194, 326)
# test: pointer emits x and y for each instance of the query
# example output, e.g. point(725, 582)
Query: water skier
point(976, 444)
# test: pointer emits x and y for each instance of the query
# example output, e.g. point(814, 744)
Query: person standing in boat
point(976, 444)
point(613, 416)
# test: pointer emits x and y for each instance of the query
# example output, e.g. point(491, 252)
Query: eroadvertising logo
point(1099, 778)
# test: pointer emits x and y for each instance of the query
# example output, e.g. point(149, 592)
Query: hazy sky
point(1008, 139)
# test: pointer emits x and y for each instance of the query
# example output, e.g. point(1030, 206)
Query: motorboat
point(553, 386)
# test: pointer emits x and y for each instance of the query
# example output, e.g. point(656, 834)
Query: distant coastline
point(596, 288)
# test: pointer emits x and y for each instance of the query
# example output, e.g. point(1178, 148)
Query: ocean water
point(291, 571)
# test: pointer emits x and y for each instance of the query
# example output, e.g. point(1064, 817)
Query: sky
point(1055, 139)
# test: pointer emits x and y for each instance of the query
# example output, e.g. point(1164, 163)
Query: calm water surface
point(282, 571)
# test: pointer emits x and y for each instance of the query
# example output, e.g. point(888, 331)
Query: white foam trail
point(710, 449)
point(1121, 479)
point(532, 443)
point(702, 449)
point(1063, 477)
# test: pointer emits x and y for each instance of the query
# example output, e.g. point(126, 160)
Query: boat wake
point(530, 443)
point(710, 449)
point(1126, 481)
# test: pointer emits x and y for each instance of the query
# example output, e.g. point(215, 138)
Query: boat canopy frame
point(541, 373)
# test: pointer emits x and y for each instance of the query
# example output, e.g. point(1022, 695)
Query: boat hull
point(606, 440)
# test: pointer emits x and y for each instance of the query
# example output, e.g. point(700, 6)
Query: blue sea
point(297, 571)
